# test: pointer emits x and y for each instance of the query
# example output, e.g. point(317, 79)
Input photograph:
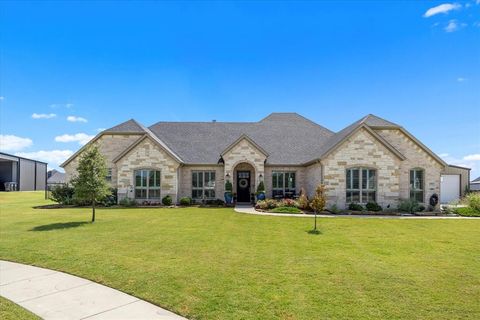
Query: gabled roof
point(476, 180)
point(244, 137)
point(127, 127)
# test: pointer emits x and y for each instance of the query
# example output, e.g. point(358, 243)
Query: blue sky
point(414, 63)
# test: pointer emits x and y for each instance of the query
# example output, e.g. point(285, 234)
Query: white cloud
point(443, 8)
point(443, 155)
point(461, 79)
point(13, 143)
point(451, 26)
point(43, 115)
point(101, 129)
point(81, 138)
point(472, 157)
point(61, 105)
point(2, 98)
point(53, 157)
point(76, 119)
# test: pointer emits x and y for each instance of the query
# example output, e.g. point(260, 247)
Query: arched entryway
point(244, 181)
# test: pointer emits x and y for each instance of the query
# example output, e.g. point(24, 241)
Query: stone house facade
point(371, 160)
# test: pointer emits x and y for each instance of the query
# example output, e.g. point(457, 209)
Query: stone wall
point(299, 176)
point(362, 150)
point(147, 155)
point(110, 145)
point(244, 152)
point(416, 158)
point(185, 183)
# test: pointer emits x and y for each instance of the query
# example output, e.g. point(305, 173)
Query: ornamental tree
point(318, 202)
point(90, 184)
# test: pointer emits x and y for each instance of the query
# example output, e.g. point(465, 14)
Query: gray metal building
point(22, 174)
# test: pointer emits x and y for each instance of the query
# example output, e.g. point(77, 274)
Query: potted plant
point(228, 192)
point(261, 191)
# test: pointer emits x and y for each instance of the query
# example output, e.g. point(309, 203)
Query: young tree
point(90, 184)
point(318, 202)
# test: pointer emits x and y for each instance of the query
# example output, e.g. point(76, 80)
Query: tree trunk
point(315, 228)
point(93, 209)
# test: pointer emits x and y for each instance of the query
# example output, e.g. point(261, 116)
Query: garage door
point(450, 188)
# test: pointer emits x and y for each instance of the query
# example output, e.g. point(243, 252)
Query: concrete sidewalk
point(57, 295)
point(248, 209)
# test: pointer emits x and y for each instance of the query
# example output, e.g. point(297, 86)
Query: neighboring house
point(21, 174)
point(55, 178)
point(370, 160)
point(475, 185)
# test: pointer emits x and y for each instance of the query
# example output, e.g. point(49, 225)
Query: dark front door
point(243, 186)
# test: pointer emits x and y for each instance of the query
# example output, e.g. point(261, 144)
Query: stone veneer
point(111, 146)
point(244, 152)
point(147, 155)
point(300, 181)
point(416, 158)
point(362, 150)
point(185, 174)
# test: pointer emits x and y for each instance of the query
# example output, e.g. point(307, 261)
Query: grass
point(285, 210)
point(12, 311)
point(216, 264)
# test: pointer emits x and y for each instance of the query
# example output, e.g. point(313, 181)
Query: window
point(361, 185)
point(416, 185)
point(283, 184)
point(108, 177)
point(147, 184)
point(203, 184)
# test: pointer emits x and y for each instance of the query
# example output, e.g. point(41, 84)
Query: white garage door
point(450, 188)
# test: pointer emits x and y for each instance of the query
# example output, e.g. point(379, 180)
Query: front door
point(243, 186)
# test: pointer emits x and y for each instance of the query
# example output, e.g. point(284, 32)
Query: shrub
point(267, 204)
point(355, 207)
point(373, 206)
point(215, 202)
point(127, 202)
point(334, 209)
point(288, 203)
point(286, 210)
point(228, 186)
point(185, 201)
point(111, 199)
point(261, 187)
point(473, 200)
point(167, 200)
point(409, 205)
point(63, 194)
point(467, 212)
point(319, 199)
point(303, 200)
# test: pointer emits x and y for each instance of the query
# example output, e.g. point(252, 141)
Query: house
point(370, 160)
point(475, 185)
point(21, 174)
point(55, 178)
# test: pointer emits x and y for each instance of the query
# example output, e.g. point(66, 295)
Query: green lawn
point(11, 311)
point(218, 264)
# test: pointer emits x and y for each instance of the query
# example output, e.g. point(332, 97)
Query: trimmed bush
point(288, 203)
point(261, 187)
point(467, 212)
point(127, 202)
point(215, 202)
point(334, 209)
point(373, 206)
point(409, 205)
point(185, 201)
point(355, 207)
point(63, 194)
point(167, 200)
point(286, 210)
